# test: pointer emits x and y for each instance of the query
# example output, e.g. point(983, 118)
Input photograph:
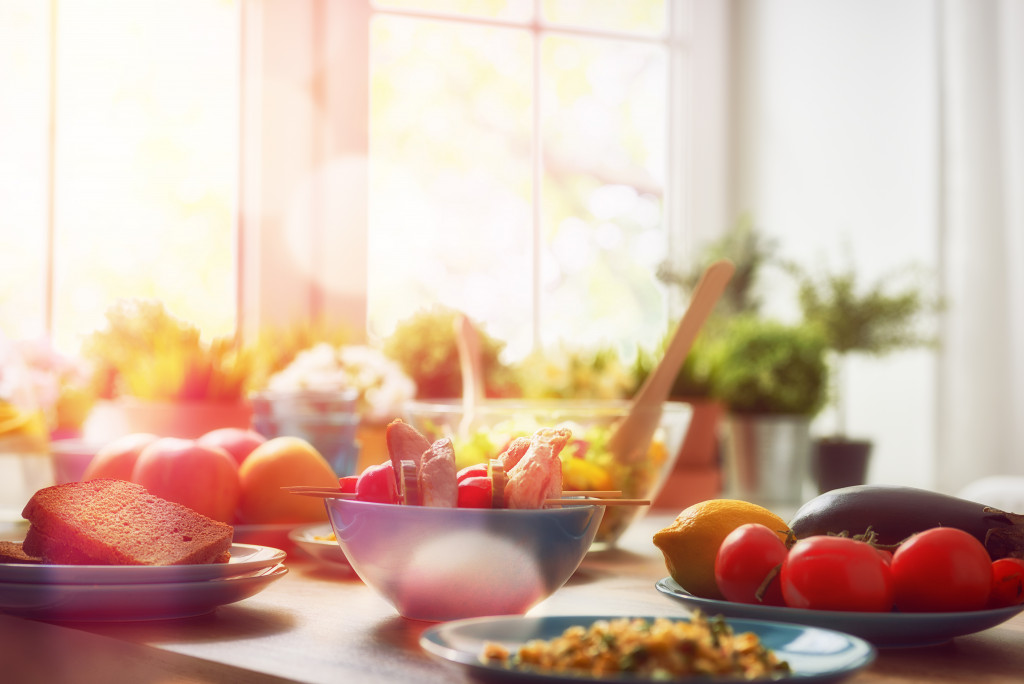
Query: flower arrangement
point(147, 353)
point(381, 383)
point(62, 386)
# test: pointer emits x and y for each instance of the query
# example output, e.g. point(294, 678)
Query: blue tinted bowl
point(441, 564)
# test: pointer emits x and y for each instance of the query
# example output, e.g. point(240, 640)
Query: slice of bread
point(113, 522)
point(13, 552)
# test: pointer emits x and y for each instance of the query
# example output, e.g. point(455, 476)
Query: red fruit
point(238, 442)
point(941, 569)
point(377, 484)
point(1007, 583)
point(347, 484)
point(475, 492)
point(477, 470)
point(836, 573)
point(746, 558)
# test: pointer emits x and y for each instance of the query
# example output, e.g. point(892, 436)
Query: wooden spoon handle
point(636, 429)
point(467, 339)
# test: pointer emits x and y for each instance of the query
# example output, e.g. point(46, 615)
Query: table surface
point(319, 623)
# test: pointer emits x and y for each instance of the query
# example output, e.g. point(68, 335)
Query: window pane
point(508, 10)
point(24, 74)
point(147, 159)
point(636, 16)
point(604, 139)
point(450, 207)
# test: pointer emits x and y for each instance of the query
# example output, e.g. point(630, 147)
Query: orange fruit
point(691, 542)
point(282, 462)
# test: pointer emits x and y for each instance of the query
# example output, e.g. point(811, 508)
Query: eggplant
point(895, 512)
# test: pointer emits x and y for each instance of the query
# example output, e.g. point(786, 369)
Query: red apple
point(238, 442)
point(203, 478)
point(116, 459)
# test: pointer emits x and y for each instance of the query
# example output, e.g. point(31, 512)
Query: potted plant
point(424, 345)
point(163, 376)
point(874, 320)
point(772, 377)
point(697, 475)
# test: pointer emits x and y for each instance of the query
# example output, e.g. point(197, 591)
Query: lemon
point(691, 542)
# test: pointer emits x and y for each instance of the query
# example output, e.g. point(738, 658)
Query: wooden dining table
point(320, 623)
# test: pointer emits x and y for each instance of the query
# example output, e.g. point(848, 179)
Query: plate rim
point(431, 641)
point(863, 620)
point(34, 573)
point(204, 597)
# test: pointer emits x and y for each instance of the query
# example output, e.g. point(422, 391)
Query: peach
point(116, 459)
point(281, 462)
point(203, 478)
point(238, 442)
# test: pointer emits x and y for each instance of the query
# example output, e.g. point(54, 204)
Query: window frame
point(321, 48)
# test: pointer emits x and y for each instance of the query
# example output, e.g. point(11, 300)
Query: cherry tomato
point(477, 470)
point(377, 484)
point(836, 573)
point(475, 492)
point(941, 569)
point(1007, 583)
point(347, 484)
point(746, 557)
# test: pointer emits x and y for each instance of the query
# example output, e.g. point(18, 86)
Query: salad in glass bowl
point(587, 463)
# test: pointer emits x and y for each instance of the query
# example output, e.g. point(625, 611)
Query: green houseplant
point(876, 319)
point(772, 377)
point(697, 475)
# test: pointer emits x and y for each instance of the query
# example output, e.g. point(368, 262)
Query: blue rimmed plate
point(815, 655)
point(881, 629)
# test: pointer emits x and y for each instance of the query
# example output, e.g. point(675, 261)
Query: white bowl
point(441, 564)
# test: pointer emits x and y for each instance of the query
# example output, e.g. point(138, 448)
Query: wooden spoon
point(467, 339)
point(632, 437)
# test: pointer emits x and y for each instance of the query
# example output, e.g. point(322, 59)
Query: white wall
point(835, 154)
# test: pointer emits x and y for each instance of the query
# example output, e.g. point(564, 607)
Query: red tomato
point(347, 484)
point(747, 556)
point(836, 573)
point(475, 492)
point(477, 470)
point(941, 569)
point(377, 484)
point(1007, 583)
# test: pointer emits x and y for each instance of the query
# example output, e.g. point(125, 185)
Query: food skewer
point(603, 497)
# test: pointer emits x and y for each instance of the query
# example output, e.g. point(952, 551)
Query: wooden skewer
point(602, 497)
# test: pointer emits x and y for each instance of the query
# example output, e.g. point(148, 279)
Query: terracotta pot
point(697, 475)
point(185, 419)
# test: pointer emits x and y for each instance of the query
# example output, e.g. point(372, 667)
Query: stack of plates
point(136, 592)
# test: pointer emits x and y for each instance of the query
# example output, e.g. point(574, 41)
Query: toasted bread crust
point(113, 522)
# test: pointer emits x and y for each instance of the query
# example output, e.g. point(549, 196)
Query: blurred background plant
point(62, 385)
point(874, 319)
point(277, 346)
point(382, 386)
point(424, 345)
point(750, 252)
point(764, 366)
point(147, 353)
point(576, 373)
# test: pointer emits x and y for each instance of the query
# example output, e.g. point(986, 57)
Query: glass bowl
point(587, 464)
point(327, 420)
point(439, 564)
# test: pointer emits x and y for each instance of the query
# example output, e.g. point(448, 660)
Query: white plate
point(131, 602)
point(245, 558)
point(265, 535)
point(324, 550)
point(815, 655)
point(893, 630)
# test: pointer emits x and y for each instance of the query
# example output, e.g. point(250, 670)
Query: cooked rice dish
point(660, 649)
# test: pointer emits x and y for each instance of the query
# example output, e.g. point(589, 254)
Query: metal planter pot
point(767, 458)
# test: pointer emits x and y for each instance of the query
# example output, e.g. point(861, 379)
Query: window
point(258, 163)
point(119, 165)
